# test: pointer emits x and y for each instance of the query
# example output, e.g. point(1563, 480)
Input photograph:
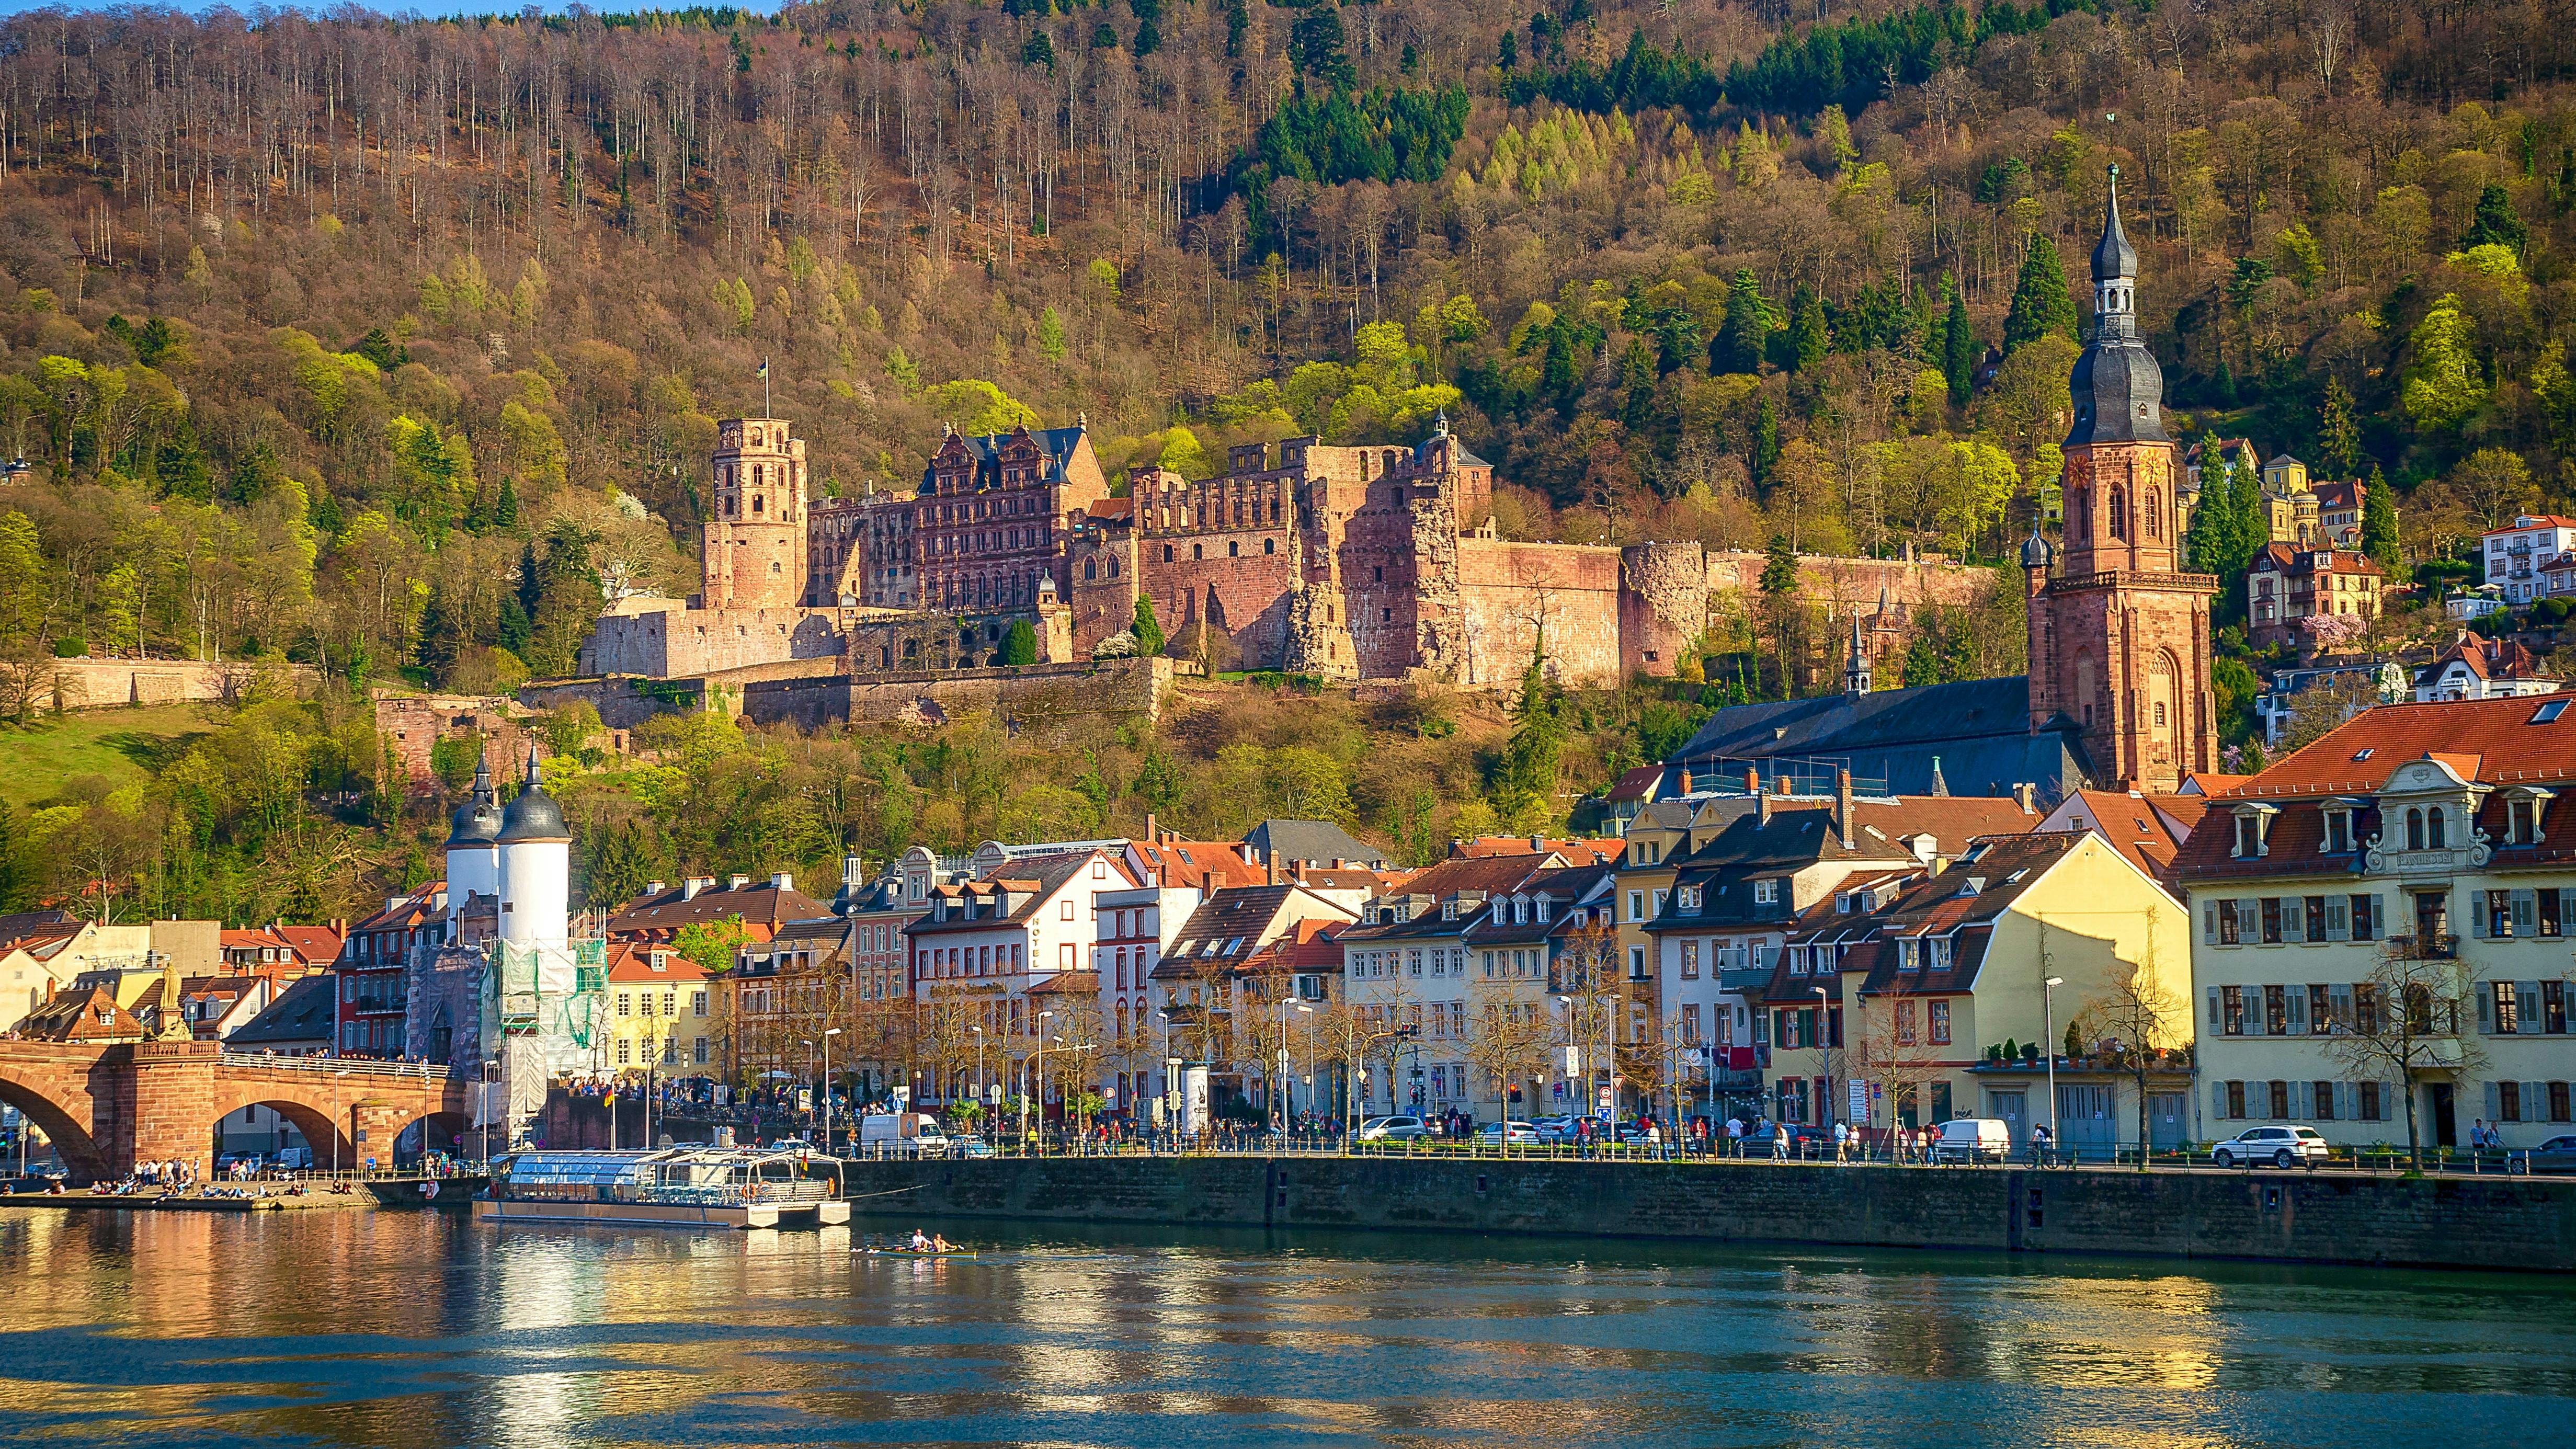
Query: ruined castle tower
point(2119, 637)
point(755, 548)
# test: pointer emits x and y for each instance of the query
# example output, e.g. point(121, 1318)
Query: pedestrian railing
point(336, 1066)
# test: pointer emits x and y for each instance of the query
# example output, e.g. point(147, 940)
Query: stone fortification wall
point(1663, 604)
point(1515, 596)
point(1032, 694)
point(1841, 585)
point(625, 701)
point(2295, 1217)
point(673, 642)
point(105, 683)
point(1101, 584)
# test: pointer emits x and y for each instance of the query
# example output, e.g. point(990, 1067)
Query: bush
point(71, 646)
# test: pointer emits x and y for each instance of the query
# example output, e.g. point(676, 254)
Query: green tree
point(2442, 382)
point(1747, 329)
point(1958, 345)
point(2496, 222)
point(1808, 337)
point(1148, 631)
point(2041, 305)
point(1766, 442)
point(2379, 524)
point(2338, 435)
point(1779, 586)
point(710, 944)
point(1020, 646)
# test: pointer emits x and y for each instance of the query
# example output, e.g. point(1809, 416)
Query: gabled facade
point(984, 945)
point(2428, 845)
point(2284, 585)
point(2518, 555)
point(2478, 668)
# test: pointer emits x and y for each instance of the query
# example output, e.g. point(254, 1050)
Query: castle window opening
point(1234, 550)
point(1198, 551)
point(1090, 569)
point(1270, 545)
point(1167, 553)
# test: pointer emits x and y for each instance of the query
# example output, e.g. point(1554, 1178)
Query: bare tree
point(1507, 1038)
point(1892, 1045)
point(2410, 1019)
point(2142, 1019)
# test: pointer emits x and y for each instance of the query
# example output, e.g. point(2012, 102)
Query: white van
point(901, 1134)
point(1973, 1139)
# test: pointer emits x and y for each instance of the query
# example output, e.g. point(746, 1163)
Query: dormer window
point(1540, 906)
point(2338, 839)
point(2253, 831)
point(1448, 910)
point(1905, 954)
point(1940, 953)
point(2526, 814)
point(1766, 892)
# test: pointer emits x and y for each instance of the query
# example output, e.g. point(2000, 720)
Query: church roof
point(1973, 735)
point(2113, 256)
point(2117, 388)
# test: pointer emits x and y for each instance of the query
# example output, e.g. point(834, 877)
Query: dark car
point(2558, 1154)
point(1804, 1141)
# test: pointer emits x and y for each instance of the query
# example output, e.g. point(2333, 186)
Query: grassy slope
point(119, 746)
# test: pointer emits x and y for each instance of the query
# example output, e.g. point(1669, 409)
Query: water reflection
point(417, 1329)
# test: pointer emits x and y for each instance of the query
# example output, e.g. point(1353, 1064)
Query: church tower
point(754, 542)
point(2119, 637)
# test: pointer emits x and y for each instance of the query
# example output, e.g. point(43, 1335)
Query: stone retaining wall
point(2292, 1217)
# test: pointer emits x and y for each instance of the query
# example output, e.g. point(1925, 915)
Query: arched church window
point(2154, 512)
point(1090, 569)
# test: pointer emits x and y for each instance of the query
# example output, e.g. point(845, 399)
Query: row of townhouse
point(2384, 922)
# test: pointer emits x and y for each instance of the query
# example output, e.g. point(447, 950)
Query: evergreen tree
point(1779, 567)
point(1780, 600)
point(1149, 633)
point(2379, 524)
point(1747, 329)
point(2212, 541)
point(2496, 222)
point(17, 885)
point(1020, 646)
point(1637, 381)
point(1808, 338)
point(1958, 346)
point(2253, 519)
point(2040, 303)
point(1766, 441)
point(505, 506)
point(2338, 436)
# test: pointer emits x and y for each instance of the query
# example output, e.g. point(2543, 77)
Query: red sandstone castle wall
point(1518, 597)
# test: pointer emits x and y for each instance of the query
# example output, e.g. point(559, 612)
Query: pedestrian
point(1842, 1142)
point(1735, 1137)
point(1779, 1141)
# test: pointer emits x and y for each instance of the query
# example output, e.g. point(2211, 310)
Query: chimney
point(689, 888)
point(1538, 845)
point(853, 871)
point(1686, 780)
point(1782, 786)
point(2026, 797)
point(737, 882)
point(1752, 781)
point(783, 880)
point(1153, 835)
point(1272, 871)
point(654, 887)
point(1925, 846)
point(1337, 862)
point(1844, 816)
point(1764, 797)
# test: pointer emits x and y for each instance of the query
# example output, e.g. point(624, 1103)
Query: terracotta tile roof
point(1313, 944)
point(1207, 864)
point(763, 906)
point(1575, 850)
point(2502, 738)
point(82, 1015)
point(1068, 983)
point(2525, 523)
point(2210, 782)
point(629, 961)
point(1636, 784)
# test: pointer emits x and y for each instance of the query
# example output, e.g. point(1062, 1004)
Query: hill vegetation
point(392, 346)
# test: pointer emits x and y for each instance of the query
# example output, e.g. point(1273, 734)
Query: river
point(422, 1329)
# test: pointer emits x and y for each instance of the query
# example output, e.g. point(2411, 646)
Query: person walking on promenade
point(1735, 1137)
point(1842, 1142)
point(1779, 1141)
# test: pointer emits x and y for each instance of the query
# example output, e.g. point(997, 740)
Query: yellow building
point(1957, 967)
point(659, 1011)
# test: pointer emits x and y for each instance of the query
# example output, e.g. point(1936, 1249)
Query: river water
point(422, 1329)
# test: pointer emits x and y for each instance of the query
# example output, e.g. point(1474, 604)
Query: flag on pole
point(764, 369)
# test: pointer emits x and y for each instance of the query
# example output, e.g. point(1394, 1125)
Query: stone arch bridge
point(106, 1108)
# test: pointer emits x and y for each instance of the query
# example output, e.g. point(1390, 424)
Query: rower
point(920, 1244)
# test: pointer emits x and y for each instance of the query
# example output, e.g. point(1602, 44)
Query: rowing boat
point(917, 1253)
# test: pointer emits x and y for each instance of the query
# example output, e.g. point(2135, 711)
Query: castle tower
point(473, 851)
point(754, 555)
point(2119, 640)
point(536, 866)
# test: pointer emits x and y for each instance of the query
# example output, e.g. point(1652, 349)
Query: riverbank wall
point(2438, 1222)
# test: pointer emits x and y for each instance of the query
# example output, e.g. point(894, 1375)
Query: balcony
point(2425, 948)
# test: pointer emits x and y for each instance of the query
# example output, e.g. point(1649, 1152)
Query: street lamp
point(337, 1130)
point(828, 1034)
point(1824, 1061)
point(2048, 1044)
point(1284, 1105)
point(978, 1029)
point(1165, 1017)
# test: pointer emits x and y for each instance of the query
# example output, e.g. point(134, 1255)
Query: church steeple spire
point(2115, 273)
point(1856, 672)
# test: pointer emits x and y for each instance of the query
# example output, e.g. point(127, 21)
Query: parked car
point(1554, 1129)
point(1509, 1132)
point(2279, 1146)
point(2558, 1154)
point(1804, 1141)
point(1973, 1139)
point(1392, 1129)
point(968, 1144)
point(295, 1159)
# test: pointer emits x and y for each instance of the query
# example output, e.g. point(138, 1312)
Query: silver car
point(1392, 1129)
point(2279, 1146)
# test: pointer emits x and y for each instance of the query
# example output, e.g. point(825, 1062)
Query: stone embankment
point(2445, 1222)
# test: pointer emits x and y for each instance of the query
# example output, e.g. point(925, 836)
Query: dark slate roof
point(1057, 443)
point(2113, 256)
point(1316, 842)
point(302, 1016)
point(1012, 896)
point(1977, 729)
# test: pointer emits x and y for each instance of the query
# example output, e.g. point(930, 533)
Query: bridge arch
point(323, 1131)
point(69, 1133)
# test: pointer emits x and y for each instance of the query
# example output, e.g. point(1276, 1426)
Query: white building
point(2518, 553)
point(2433, 840)
point(988, 945)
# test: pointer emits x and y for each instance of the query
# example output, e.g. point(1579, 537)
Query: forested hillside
point(389, 346)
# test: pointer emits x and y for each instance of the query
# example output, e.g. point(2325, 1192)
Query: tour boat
point(681, 1187)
